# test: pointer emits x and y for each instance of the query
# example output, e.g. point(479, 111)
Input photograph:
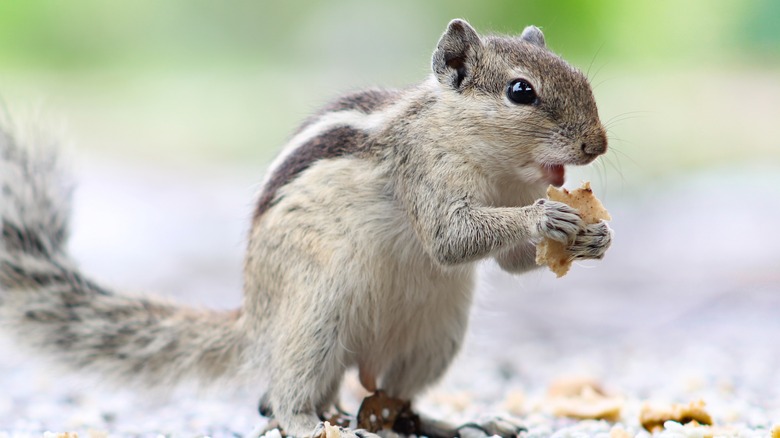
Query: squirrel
point(363, 243)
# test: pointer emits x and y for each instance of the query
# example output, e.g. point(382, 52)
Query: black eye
point(520, 91)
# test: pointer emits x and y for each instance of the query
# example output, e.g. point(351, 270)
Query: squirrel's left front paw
point(591, 242)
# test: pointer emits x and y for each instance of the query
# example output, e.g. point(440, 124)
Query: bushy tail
point(49, 305)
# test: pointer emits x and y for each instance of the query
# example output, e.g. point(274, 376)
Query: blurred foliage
point(201, 80)
point(147, 33)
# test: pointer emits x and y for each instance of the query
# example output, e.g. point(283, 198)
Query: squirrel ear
point(456, 54)
point(533, 35)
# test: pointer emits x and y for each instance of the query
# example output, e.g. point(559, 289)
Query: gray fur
point(362, 252)
point(456, 53)
point(50, 305)
point(337, 142)
point(533, 35)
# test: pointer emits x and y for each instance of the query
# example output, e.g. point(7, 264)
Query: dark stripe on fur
point(337, 142)
point(367, 102)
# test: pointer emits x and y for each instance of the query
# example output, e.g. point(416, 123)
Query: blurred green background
point(681, 84)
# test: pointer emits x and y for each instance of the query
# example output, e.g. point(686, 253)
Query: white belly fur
point(366, 264)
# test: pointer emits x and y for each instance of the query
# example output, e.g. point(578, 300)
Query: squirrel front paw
point(558, 221)
point(591, 242)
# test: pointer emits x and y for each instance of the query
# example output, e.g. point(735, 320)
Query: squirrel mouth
point(553, 174)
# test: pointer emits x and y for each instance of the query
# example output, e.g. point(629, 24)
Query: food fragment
point(572, 386)
point(617, 431)
point(653, 418)
point(587, 405)
point(696, 430)
point(584, 399)
point(515, 402)
point(323, 430)
point(776, 431)
point(553, 253)
point(331, 431)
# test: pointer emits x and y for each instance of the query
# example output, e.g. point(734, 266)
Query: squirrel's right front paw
point(558, 221)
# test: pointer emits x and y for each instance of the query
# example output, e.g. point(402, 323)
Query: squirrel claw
point(558, 221)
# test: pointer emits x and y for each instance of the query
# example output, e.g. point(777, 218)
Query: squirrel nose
point(594, 147)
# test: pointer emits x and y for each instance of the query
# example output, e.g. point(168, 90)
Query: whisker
point(600, 171)
point(612, 137)
point(625, 155)
point(594, 86)
point(617, 167)
point(629, 113)
point(618, 170)
point(613, 123)
point(587, 73)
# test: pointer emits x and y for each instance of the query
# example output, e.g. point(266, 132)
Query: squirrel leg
point(305, 379)
point(410, 374)
point(432, 349)
point(328, 399)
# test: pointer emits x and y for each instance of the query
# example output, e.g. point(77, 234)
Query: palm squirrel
point(363, 243)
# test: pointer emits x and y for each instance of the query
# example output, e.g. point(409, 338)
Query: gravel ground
point(683, 308)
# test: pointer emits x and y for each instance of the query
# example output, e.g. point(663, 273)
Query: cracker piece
point(582, 398)
point(618, 431)
point(553, 253)
point(331, 431)
point(653, 418)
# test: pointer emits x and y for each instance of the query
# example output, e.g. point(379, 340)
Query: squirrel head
point(521, 106)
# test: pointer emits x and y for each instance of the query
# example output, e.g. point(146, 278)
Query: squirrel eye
point(520, 91)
